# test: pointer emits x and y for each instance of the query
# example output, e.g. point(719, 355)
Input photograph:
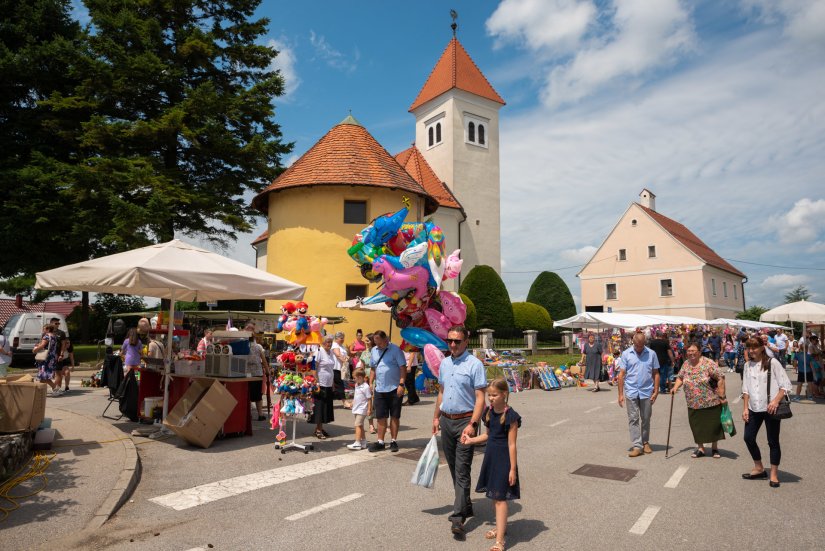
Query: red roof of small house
point(263, 237)
point(347, 155)
point(8, 308)
point(455, 69)
point(692, 242)
point(417, 166)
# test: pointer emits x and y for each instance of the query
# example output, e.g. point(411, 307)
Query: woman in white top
point(323, 412)
point(759, 404)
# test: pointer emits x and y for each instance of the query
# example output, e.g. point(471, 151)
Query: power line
point(608, 258)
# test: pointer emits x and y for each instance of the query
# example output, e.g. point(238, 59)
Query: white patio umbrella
point(174, 270)
point(801, 311)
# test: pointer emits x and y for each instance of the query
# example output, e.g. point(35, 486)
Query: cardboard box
point(576, 370)
point(201, 412)
point(22, 404)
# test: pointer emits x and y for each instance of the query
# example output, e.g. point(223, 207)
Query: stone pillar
point(531, 341)
point(567, 341)
point(486, 337)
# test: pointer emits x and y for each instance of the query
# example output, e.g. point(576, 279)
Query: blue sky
point(716, 106)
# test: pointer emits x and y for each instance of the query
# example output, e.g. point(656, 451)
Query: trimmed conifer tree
point(531, 316)
point(551, 292)
point(489, 295)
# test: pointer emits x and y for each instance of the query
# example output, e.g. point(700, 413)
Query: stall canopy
point(174, 270)
point(603, 320)
point(801, 311)
point(355, 304)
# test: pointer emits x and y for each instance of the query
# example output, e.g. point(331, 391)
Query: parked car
point(23, 331)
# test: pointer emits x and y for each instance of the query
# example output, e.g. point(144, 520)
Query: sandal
point(372, 430)
point(319, 434)
point(497, 546)
point(490, 534)
point(698, 453)
point(325, 433)
point(716, 454)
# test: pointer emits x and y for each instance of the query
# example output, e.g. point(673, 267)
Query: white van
point(23, 331)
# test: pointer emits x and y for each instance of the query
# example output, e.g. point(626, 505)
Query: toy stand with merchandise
point(295, 400)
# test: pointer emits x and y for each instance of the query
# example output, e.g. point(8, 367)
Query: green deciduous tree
point(489, 295)
point(551, 292)
point(751, 313)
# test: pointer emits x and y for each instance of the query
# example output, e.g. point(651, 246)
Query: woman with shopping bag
point(704, 384)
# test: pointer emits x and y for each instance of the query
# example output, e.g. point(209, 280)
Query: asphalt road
point(368, 502)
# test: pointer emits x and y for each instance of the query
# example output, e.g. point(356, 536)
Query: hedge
point(531, 316)
point(551, 292)
point(471, 322)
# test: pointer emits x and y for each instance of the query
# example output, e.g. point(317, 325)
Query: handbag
point(42, 356)
point(783, 410)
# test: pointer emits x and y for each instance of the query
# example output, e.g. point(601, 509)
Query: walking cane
point(669, 421)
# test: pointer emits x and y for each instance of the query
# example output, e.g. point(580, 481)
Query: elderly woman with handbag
point(765, 388)
point(704, 384)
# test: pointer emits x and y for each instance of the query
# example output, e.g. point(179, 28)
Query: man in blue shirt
point(390, 368)
point(639, 386)
point(462, 381)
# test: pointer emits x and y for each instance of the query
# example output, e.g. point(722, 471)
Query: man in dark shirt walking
point(661, 346)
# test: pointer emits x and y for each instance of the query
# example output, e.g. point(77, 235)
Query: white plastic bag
point(427, 467)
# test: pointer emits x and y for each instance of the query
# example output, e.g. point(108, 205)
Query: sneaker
point(355, 446)
point(647, 448)
point(635, 452)
point(57, 392)
point(377, 447)
point(393, 446)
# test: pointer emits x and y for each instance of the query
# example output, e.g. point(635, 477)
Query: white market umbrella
point(356, 304)
point(174, 270)
point(801, 311)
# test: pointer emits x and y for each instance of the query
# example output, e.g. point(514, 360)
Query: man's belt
point(455, 416)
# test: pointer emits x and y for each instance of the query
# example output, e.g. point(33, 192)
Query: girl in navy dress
point(499, 471)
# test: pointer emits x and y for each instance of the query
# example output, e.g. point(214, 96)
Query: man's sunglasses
point(454, 341)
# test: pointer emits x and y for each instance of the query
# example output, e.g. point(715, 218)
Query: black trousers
point(460, 460)
point(409, 384)
point(755, 420)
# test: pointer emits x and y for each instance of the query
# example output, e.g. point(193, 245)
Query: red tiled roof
point(414, 162)
point(263, 237)
point(692, 242)
point(455, 69)
point(8, 309)
point(346, 155)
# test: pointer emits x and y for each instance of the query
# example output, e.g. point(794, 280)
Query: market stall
point(173, 270)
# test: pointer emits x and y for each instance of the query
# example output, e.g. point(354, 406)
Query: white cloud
point(285, 62)
point(785, 281)
point(804, 222)
point(804, 19)
point(332, 57)
point(634, 40)
point(556, 24)
point(578, 256)
point(726, 143)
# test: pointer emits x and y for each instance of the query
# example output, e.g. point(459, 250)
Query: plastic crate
point(190, 367)
point(225, 365)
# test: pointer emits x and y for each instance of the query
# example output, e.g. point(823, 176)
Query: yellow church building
point(450, 174)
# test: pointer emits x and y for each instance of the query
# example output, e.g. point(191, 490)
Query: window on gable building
point(651, 251)
point(735, 297)
point(610, 291)
point(666, 287)
point(713, 286)
point(622, 254)
point(725, 289)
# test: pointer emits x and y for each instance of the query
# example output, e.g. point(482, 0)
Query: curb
point(126, 482)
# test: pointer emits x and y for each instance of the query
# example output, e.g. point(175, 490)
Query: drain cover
point(610, 473)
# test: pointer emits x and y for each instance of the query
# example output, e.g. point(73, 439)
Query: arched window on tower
point(480, 134)
point(475, 130)
point(430, 139)
point(438, 132)
point(433, 130)
point(471, 132)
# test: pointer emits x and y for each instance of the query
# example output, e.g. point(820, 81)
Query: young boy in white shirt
point(360, 403)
